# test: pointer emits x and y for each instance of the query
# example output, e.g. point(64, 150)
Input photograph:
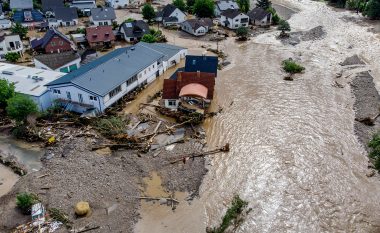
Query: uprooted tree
point(284, 27)
point(19, 107)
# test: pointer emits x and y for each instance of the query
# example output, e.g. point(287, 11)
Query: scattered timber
point(183, 159)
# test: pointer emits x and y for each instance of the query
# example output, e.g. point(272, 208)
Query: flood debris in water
point(294, 38)
point(12, 162)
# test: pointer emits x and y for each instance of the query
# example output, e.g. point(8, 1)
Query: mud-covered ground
point(73, 173)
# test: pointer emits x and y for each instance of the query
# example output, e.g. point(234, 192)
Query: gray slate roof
point(50, 5)
point(107, 13)
point(166, 11)
point(197, 23)
point(56, 60)
point(231, 13)
point(137, 28)
point(167, 50)
point(66, 14)
point(258, 13)
point(21, 4)
point(224, 5)
point(111, 70)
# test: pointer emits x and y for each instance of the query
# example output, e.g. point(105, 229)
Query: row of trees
point(369, 8)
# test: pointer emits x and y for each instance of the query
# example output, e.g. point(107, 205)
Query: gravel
point(75, 173)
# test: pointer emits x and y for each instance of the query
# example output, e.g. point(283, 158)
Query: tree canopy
point(204, 8)
point(20, 106)
point(283, 26)
point(20, 30)
point(148, 12)
point(372, 9)
point(180, 4)
point(244, 5)
point(12, 57)
point(148, 38)
point(242, 33)
point(7, 91)
point(265, 4)
point(190, 5)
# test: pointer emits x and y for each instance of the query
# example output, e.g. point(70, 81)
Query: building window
point(55, 91)
point(144, 71)
point(140, 75)
point(61, 42)
point(93, 98)
point(153, 66)
point(100, 23)
point(131, 80)
point(115, 91)
point(80, 97)
point(68, 95)
point(52, 43)
point(105, 23)
point(172, 102)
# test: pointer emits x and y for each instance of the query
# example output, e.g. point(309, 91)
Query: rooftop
point(57, 60)
point(21, 4)
point(50, 5)
point(226, 4)
point(167, 50)
point(99, 34)
point(66, 14)
point(27, 80)
point(258, 13)
point(207, 64)
point(107, 72)
point(107, 13)
point(166, 11)
point(136, 28)
point(42, 42)
point(231, 13)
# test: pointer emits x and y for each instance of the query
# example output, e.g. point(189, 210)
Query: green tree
point(25, 201)
point(242, 33)
point(180, 4)
point(20, 106)
point(129, 20)
point(292, 67)
point(190, 5)
point(265, 4)
point(204, 8)
point(244, 5)
point(148, 12)
point(148, 38)
point(7, 91)
point(283, 26)
point(372, 9)
point(12, 56)
point(20, 30)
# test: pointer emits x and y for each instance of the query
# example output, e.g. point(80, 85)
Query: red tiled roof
point(99, 34)
point(172, 88)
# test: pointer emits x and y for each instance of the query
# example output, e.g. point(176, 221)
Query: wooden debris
point(183, 159)
point(38, 177)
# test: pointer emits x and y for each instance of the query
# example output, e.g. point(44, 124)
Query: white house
point(234, 19)
point(10, 43)
point(84, 6)
point(170, 15)
point(65, 62)
point(197, 27)
point(102, 82)
point(31, 82)
point(66, 16)
point(102, 16)
point(260, 17)
point(223, 5)
point(117, 3)
point(134, 31)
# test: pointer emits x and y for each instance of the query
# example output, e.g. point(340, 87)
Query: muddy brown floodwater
point(294, 154)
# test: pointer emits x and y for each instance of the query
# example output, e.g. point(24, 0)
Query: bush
point(180, 4)
point(25, 201)
point(148, 38)
point(242, 33)
point(12, 57)
point(231, 216)
point(374, 144)
point(20, 30)
point(110, 126)
point(7, 91)
point(283, 26)
point(372, 9)
point(292, 67)
point(148, 12)
point(20, 106)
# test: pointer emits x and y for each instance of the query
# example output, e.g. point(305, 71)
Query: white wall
point(101, 22)
point(179, 14)
point(166, 102)
point(199, 32)
point(118, 3)
point(6, 48)
point(64, 23)
point(235, 22)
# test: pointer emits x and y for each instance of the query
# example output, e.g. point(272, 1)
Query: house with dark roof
point(170, 15)
point(66, 16)
point(102, 16)
point(234, 19)
point(84, 6)
point(260, 17)
point(189, 91)
point(24, 13)
point(52, 42)
point(100, 36)
point(118, 3)
point(207, 64)
point(223, 5)
point(134, 31)
point(102, 82)
point(62, 62)
point(197, 27)
point(51, 5)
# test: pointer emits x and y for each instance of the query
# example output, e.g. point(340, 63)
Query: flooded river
point(294, 155)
